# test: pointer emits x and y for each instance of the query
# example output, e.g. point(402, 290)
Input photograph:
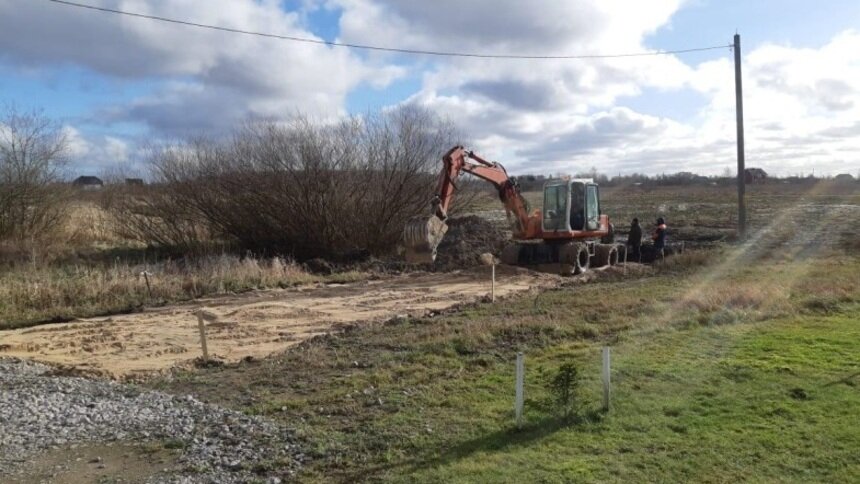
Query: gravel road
point(40, 410)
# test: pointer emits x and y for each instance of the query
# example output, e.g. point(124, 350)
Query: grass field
point(108, 279)
point(724, 369)
point(735, 362)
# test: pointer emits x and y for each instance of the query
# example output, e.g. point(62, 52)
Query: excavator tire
point(622, 253)
point(605, 255)
point(576, 256)
point(511, 254)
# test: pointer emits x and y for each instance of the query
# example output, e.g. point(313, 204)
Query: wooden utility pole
point(739, 109)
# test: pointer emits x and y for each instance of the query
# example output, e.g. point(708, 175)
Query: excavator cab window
point(592, 208)
point(555, 207)
point(577, 206)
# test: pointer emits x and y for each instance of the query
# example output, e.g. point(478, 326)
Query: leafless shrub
point(302, 188)
point(152, 215)
point(32, 154)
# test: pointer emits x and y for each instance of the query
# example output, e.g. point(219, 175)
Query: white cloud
point(801, 104)
point(96, 155)
point(206, 79)
point(536, 114)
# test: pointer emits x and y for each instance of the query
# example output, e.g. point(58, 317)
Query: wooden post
point(202, 326)
point(739, 111)
point(148, 286)
point(493, 289)
point(518, 402)
point(606, 378)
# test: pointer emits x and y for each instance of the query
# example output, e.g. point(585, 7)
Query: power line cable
point(380, 48)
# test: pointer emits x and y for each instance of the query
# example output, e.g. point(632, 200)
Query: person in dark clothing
point(659, 238)
point(634, 240)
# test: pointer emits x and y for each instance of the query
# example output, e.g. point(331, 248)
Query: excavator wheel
point(622, 253)
point(575, 256)
point(511, 254)
point(605, 255)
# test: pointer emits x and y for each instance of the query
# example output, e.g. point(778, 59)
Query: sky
point(117, 83)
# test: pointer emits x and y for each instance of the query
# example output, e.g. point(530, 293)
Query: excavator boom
point(422, 233)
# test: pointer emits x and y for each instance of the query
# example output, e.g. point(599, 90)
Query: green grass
point(767, 394)
point(702, 404)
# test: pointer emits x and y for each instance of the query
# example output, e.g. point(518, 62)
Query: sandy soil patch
point(254, 324)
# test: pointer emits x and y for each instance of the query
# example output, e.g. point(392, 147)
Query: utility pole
point(739, 109)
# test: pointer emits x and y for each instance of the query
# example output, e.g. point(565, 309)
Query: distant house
point(754, 175)
point(137, 182)
point(88, 182)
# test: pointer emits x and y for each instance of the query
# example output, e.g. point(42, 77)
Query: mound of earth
point(467, 238)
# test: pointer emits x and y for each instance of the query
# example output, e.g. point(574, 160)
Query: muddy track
point(255, 324)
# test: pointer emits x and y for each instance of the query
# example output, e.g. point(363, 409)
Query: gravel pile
point(39, 411)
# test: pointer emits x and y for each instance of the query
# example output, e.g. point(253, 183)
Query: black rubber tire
point(622, 253)
point(511, 254)
point(574, 258)
point(583, 260)
point(605, 255)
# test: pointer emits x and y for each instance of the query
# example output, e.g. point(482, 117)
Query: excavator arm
point(422, 235)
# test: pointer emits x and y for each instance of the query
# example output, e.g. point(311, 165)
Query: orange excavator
point(567, 236)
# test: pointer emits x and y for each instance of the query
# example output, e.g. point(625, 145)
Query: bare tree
point(33, 152)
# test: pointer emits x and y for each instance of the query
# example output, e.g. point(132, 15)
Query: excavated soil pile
point(467, 238)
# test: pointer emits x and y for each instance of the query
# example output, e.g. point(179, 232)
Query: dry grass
point(86, 228)
point(88, 225)
point(88, 269)
point(32, 294)
point(736, 296)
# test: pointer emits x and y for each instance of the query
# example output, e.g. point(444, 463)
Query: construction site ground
point(261, 323)
point(254, 324)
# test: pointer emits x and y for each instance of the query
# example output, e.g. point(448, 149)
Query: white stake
point(518, 403)
point(605, 377)
point(202, 326)
point(493, 293)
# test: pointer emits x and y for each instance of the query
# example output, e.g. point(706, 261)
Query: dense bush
point(299, 188)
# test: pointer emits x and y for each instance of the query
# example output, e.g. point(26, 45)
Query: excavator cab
point(571, 205)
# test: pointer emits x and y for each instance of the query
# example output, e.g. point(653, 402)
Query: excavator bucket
point(421, 236)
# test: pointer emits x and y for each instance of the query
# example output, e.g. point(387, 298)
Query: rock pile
point(39, 411)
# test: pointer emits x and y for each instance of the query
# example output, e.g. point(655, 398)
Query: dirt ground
point(115, 463)
point(254, 324)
